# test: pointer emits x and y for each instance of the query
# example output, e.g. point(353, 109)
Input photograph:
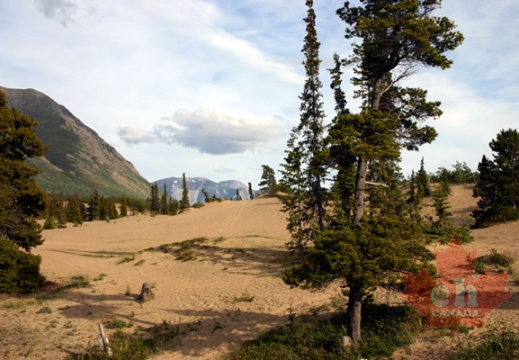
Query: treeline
point(62, 209)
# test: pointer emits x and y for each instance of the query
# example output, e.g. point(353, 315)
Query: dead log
point(104, 340)
point(146, 293)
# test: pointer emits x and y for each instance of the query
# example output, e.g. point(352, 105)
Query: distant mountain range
point(224, 189)
point(78, 160)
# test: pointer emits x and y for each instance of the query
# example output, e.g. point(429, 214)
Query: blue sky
point(210, 87)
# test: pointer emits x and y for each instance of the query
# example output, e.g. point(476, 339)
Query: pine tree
point(22, 202)
point(383, 238)
point(123, 208)
point(306, 166)
point(268, 184)
point(498, 185)
point(93, 211)
point(422, 182)
point(185, 194)
point(238, 196)
point(164, 201)
point(251, 193)
point(173, 206)
point(154, 199)
point(73, 210)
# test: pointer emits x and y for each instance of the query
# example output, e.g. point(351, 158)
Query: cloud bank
point(208, 130)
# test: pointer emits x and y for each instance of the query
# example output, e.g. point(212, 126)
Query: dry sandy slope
point(204, 296)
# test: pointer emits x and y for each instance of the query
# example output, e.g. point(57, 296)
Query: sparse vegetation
point(385, 329)
point(137, 346)
point(498, 343)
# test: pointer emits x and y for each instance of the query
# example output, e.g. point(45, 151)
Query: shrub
point(19, 271)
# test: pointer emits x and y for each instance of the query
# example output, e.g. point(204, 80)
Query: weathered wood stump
point(146, 293)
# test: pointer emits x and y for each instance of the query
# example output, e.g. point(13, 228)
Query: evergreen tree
point(238, 196)
point(154, 199)
point(412, 189)
point(498, 185)
point(73, 210)
point(185, 194)
point(55, 212)
point(251, 193)
point(268, 183)
point(21, 201)
point(422, 182)
point(93, 211)
point(173, 206)
point(383, 239)
point(123, 209)
point(440, 197)
point(164, 201)
point(111, 209)
point(304, 197)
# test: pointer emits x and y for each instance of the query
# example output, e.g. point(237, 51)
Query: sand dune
point(230, 293)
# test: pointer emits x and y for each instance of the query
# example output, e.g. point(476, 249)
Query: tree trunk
point(360, 184)
point(353, 313)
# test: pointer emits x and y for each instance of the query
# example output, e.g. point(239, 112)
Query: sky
point(211, 88)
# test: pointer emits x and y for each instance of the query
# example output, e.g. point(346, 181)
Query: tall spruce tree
point(185, 194)
point(384, 238)
point(21, 201)
point(94, 207)
point(251, 193)
point(164, 201)
point(268, 183)
point(305, 167)
point(154, 199)
point(123, 208)
point(498, 185)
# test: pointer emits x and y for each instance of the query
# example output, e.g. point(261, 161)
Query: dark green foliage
point(462, 174)
point(164, 201)
point(498, 185)
point(21, 200)
point(251, 193)
point(373, 233)
point(94, 207)
point(304, 196)
point(494, 261)
point(444, 232)
point(268, 184)
point(185, 194)
point(440, 197)
point(238, 196)
point(54, 208)
point(422, 182)
point(19, 270)
point(498, 343)
point(154, 199)
point(385, 328)
point(127, 346)
point(73, 210)
point(173, 206)
point(123, 208)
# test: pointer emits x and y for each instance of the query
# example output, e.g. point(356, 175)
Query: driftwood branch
point(376, 184)
point(104, 340)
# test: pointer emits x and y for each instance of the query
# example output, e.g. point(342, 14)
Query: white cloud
point(208, 130)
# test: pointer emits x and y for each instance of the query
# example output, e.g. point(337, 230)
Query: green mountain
point(78, 160)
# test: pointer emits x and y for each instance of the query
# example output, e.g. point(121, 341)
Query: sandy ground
point(230, 293)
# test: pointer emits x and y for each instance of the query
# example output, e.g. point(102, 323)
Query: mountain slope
point(78, 160)
point(224, 189)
